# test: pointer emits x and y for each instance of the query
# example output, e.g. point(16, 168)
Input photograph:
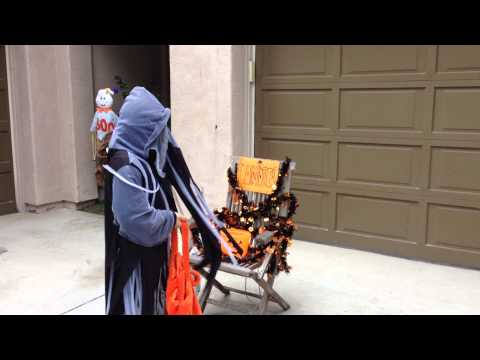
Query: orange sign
point(257, 175)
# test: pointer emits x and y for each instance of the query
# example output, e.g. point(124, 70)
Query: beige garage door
point(7, 190)
point(387, 142)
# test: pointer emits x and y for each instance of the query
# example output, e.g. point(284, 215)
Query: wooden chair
point(257, 271)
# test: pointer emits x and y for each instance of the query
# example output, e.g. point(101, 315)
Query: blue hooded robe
point(144, 163)
point(141, 127)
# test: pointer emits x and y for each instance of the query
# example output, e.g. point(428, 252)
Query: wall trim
point(250, 96)
point(64, 204)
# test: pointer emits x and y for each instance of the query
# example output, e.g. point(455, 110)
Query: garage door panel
point(312, 215)
point(312, 234)
point(297, 66)
point(382, 109)
point(460, 59)
point(384, 164)
point(455, 169)
point(298, 108)
point(376, 217)
point(372, 137)
point(297, 60)
point(449, 255)
point(311, 157)
point(5, 167)
point(387, 142)
point(4, 112)
point(314, 209)
point(4, 145)
point(457, 110)
point(389, 61)
point(6, 184)
point(7, 190)
point(374, 244)
point(295, 133)
point(3, 71)
point(452, 226)
point(380, 190)
point(4, 126)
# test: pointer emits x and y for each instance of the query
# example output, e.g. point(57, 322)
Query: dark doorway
point(136, 65)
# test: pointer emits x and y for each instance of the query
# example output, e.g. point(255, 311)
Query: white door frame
point(250, 96)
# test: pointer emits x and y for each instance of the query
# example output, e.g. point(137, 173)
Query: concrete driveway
point(52, 263)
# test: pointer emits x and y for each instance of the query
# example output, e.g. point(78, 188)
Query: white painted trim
point(250, 96)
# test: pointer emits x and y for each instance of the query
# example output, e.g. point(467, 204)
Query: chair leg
point(203, 298)
point(216, 283)
point(205, 295)
point(267, 287)
point(266, 295)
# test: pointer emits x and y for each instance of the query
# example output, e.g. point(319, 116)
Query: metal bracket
point(251, 71)
point(94, 146)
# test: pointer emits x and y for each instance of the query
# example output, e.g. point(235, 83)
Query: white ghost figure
point(105, 120)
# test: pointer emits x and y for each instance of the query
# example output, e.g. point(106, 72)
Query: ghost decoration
point(105, 120)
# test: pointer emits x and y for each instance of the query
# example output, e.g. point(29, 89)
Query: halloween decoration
point(266, 211)
point(103, 124)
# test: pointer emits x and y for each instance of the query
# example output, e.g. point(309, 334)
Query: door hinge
point(251, 71)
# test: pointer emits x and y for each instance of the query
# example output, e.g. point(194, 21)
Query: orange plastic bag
point(181, 296)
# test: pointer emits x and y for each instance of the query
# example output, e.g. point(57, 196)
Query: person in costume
point(144, 163)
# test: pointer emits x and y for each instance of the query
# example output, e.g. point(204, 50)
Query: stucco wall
point(21, 126)
point(209, 91)
point(200, 80)
point(82, 113)
point(51, 91)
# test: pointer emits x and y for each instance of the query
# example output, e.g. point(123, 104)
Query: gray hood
point(142, 126)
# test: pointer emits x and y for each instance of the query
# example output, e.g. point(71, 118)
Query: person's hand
point(180, 218)
point(192, 224)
